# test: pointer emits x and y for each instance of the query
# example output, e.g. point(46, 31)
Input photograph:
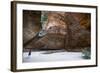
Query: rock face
point(31, 24)
point(61, 30)
point(78, 35)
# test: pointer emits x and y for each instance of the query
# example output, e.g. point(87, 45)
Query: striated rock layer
point(63, 30)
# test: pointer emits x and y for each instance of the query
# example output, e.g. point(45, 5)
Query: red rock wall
point(74, 29)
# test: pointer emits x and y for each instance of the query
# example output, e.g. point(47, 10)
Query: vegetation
point(86, 53)
point(43, 17)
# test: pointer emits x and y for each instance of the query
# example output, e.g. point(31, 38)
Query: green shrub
point(43, 18)
point(86, 53)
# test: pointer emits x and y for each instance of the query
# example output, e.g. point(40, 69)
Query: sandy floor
point(44, 56)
